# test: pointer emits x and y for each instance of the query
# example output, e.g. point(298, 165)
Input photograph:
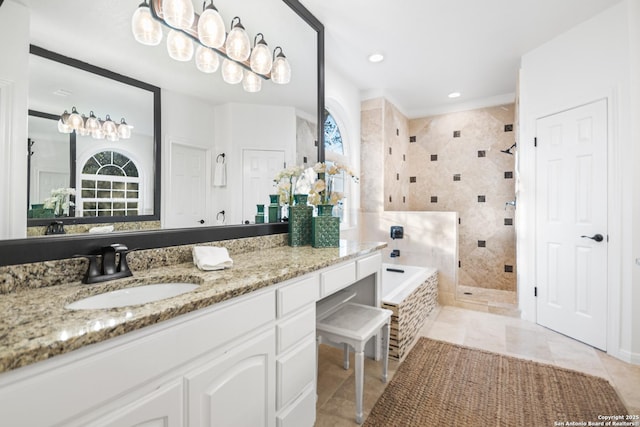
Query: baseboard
point(627, 356)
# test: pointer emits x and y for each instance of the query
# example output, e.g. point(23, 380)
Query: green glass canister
point(300, 215)
point(274, 212)
point(260, 214)
point(325, 228)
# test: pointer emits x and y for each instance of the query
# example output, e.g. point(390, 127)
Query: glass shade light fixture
point(178, 13)
point(124, 130)
point(281, 70)
point(251, 82)
point(260, 59)
point(93, 126)
point(211, 31)
point(146, 29)
point(179, 46)
point(238, 46)
point(207, 60)
point(241, 62)
point(231, 72)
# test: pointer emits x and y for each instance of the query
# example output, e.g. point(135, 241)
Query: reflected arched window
point(110, 186)
point(332, 136)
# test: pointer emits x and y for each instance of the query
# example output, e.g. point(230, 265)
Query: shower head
point(508, 150)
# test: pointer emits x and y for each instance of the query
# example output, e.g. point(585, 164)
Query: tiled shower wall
point(450, 162)
point(455, 164)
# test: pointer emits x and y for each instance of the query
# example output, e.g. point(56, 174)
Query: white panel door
point(188, 195)
point(571, 223)
point(259, 167)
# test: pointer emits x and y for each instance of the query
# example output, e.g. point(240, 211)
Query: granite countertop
point(35, 325)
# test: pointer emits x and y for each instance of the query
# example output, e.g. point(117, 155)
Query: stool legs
point(345, 356)
point(386, 331)
point(359, 360)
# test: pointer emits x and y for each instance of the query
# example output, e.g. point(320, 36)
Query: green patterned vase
point(260, 214)
point(300, 215)
point(325, 228)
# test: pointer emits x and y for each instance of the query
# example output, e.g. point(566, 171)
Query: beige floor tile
point(502, 334)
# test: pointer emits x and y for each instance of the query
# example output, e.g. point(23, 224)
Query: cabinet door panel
point(296, 369)
point(161, 408)
point(235, 388)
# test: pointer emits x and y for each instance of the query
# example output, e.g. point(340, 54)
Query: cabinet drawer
point(295, 329)
point(301, 412)
point(337, 278)
point(368, 266)
point(295, 370)
point(292, 297)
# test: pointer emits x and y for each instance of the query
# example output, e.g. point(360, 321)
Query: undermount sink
point(131, 296)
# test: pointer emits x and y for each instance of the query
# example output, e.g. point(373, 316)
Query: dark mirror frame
point(38, 249)
point(157, 140)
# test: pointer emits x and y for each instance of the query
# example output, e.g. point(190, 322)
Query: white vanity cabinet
point(248, 361)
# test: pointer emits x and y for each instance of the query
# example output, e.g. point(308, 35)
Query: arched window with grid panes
point(335, 143)
point(110, 186)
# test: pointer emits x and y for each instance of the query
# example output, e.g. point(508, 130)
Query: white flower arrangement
point(322, 192)
point(60, 201)
point(287, 181)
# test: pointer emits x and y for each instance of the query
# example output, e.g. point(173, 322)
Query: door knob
point(201, 221)
point(596, 237)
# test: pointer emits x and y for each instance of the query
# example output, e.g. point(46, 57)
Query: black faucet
point(110, 269)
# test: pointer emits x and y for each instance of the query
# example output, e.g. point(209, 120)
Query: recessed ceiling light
point(62, 92)
point(454, 95)
point(376, 57)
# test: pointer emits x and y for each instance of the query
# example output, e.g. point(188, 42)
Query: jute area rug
point(442, 384)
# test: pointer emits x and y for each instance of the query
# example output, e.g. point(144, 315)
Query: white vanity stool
point(353, 325)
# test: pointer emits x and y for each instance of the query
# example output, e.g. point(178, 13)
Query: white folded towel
point(211, 258)
point(102, 229)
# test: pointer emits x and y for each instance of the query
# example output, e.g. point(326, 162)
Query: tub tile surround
point(410, 315)
point(35, 325)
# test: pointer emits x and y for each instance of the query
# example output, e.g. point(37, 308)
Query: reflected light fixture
point(178, 13)
point(260, 59)
point(207, 60)
point(281, 70)
point(238, 46)
point(208, 32)
point(146, 29)
point(211, 31)
point(454, 95)
point(251, 82)
point(179, 46)
point(231, 72)
point(92, 125)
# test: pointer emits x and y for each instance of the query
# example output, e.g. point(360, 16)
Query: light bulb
point(211, 27)
point(83, 131)
point(63, 126)
point(124, 130)
point(207, 60)
point(75, 120)
point(92, 122)
point(261, 61)
point(178, 13)
point(281, 70)
point(98, 133)
point(179, 46)
point(251, 82)
point(231, 72)
point(109, 127)
point(238, 45)
point(146, 29)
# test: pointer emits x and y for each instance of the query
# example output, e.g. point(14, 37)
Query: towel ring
point(218, 216)
point(218, 158)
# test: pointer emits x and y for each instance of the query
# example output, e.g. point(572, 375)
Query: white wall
point(14, 25)
point(245, 126)
point(589, 62)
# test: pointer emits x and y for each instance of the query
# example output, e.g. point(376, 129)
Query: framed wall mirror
point(198, 111)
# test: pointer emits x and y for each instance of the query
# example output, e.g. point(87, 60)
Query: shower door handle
point(596, 237)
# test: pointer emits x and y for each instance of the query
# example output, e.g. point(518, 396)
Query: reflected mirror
point(228, 141)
